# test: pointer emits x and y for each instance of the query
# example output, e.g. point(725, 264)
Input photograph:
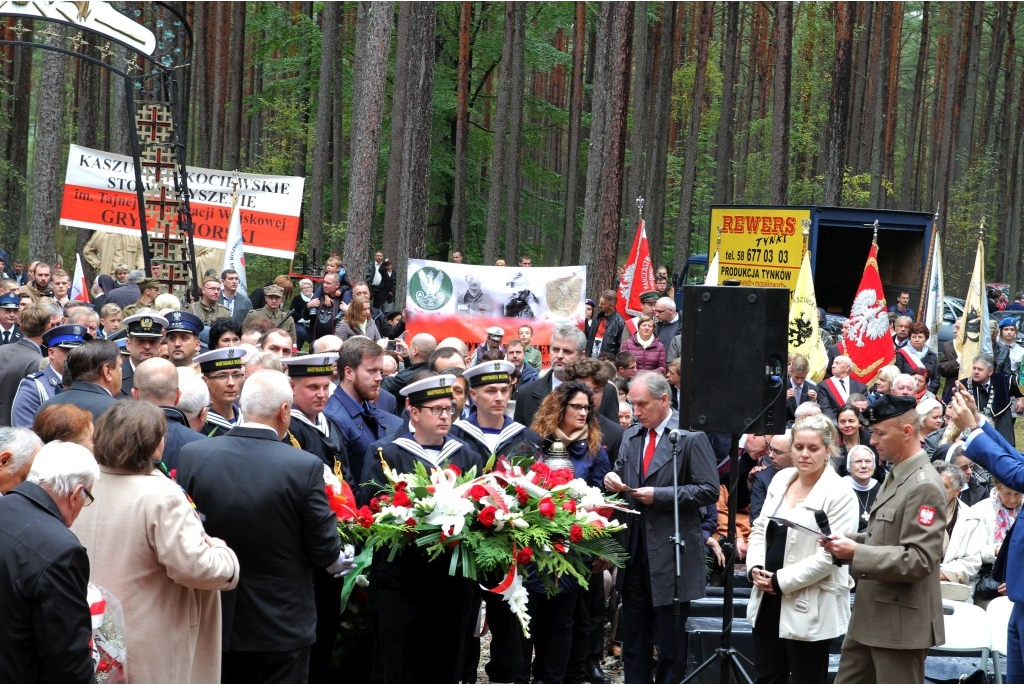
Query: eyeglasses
point(439, 411)
point(89, 499)
point(580, 408)
point(236, 376)
point(777, 452)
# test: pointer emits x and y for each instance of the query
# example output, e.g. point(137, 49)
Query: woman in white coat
point(800, 600)
point(964, 536)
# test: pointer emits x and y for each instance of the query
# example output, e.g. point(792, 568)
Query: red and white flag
point(639, 275)
point(79, 288)
point(868, 340)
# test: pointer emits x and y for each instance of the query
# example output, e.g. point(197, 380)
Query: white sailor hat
point(221, 358)
point(486, 373)
point(311, 364)
point(496, 333)
point(432, 388)
point(145, 325)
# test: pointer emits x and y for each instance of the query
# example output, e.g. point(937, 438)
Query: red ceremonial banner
point(868, 338)
point(638, 277)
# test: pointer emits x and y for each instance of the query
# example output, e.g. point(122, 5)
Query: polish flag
point(639, 275)
point(79, 288)
point(868, 338)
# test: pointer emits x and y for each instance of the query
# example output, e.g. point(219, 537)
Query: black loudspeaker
point(734, 348)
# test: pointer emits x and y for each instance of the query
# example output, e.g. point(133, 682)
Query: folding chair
point(998, 614)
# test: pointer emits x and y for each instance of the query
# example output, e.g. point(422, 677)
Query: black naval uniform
point(218, 425)
point(424, 612)
point(506, 634)
point(324, 440)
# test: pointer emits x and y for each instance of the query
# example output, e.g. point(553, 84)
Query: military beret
point(887, 407)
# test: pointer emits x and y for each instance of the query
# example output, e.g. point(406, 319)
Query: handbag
point(988, 585)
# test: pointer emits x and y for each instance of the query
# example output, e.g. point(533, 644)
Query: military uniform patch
point(926, 516)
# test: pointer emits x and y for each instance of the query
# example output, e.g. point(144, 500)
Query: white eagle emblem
point(868, 317)
point(430, 294)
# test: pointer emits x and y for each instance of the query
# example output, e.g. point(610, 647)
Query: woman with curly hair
point(358, 321)
point(567, 416)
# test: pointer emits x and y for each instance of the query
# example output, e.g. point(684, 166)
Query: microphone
point(821, 518)
point(674, 435)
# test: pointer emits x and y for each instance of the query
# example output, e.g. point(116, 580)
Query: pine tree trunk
point(727, 119)
point(515, 138)
point(337, 128)
point(417, 99)
point(321, 151)
point(839, 107)
point(373, 46)
point(13, 206)
point(496, 177)
point(48, 168)
point(601, 214)
point(570, 255)
point(236, 72)
point(910, 191)
point(462, 130)
point(641, 105)
point(661, 112)
point(684, 226)
point(779, 183)
point(879, 86)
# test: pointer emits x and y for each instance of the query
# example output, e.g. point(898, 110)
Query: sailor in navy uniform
point(423, 609)
point(40, 386)
point(311, 430)
point(222, 371)
point(491, 432)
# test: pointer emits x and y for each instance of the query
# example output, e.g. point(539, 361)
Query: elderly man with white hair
point(266, 499)
point(18, 447)
point(835, 391)
point(44, 570)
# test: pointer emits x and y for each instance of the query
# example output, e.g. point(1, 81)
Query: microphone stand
point(678, 549)
point(727, 657)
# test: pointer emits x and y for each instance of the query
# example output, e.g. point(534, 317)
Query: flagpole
point(806, 224)
point(926, 283)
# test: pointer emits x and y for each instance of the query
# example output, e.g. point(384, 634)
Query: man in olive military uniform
point(149, 289)
point(208, 308)
point(272, 310)
point(40, 386)
point(897, 615)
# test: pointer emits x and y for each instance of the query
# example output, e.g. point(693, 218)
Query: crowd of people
point(177, 454)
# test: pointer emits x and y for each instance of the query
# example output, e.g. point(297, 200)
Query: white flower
point(362, 580)
point(450, 511)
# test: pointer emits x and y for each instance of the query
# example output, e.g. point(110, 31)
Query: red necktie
point(652, 438)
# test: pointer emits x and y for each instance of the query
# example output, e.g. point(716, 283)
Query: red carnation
point(541, 469)
point(575, 533)
point(402, 499)
point(477, 492)
point(486, 516)
point(401, 486)
point(524, 556)
point(522, 495)
point(455, 469)
point(411, 523)
point(374, 505)
point(364, 516)
point(569, 505)
point(546, 507)
point(558, 477)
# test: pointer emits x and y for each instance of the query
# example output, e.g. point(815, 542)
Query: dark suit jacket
point(611, 436)
point(15, 335)
point(17, 360)
point(267, 501)
point(44, 571)
point(830, 402)
point(84, 395)
point(179, 434)
point(388, 403)
point(794, 402)
point(127, 377)
point(530, 396)
point(698, 486)
point(125, 295)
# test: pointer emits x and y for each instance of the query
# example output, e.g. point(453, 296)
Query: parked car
point(952, 310)
point(832, 329)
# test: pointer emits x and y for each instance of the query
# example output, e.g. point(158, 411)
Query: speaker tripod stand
point(726, 656)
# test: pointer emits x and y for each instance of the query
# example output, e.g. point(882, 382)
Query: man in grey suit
point(644, 471)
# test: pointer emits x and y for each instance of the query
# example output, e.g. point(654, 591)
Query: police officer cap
point(487, 373)
point(1008, 321)
point(184, 321)
point(649, 296)
point(311, 364)
point(888, 406)
point(220, 359)
point(433, 388)
point(67, 337)
point(145, 325)
point(10, 301)
point(496, 333)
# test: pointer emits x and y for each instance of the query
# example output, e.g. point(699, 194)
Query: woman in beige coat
point(800, 600)
point(147, 546)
